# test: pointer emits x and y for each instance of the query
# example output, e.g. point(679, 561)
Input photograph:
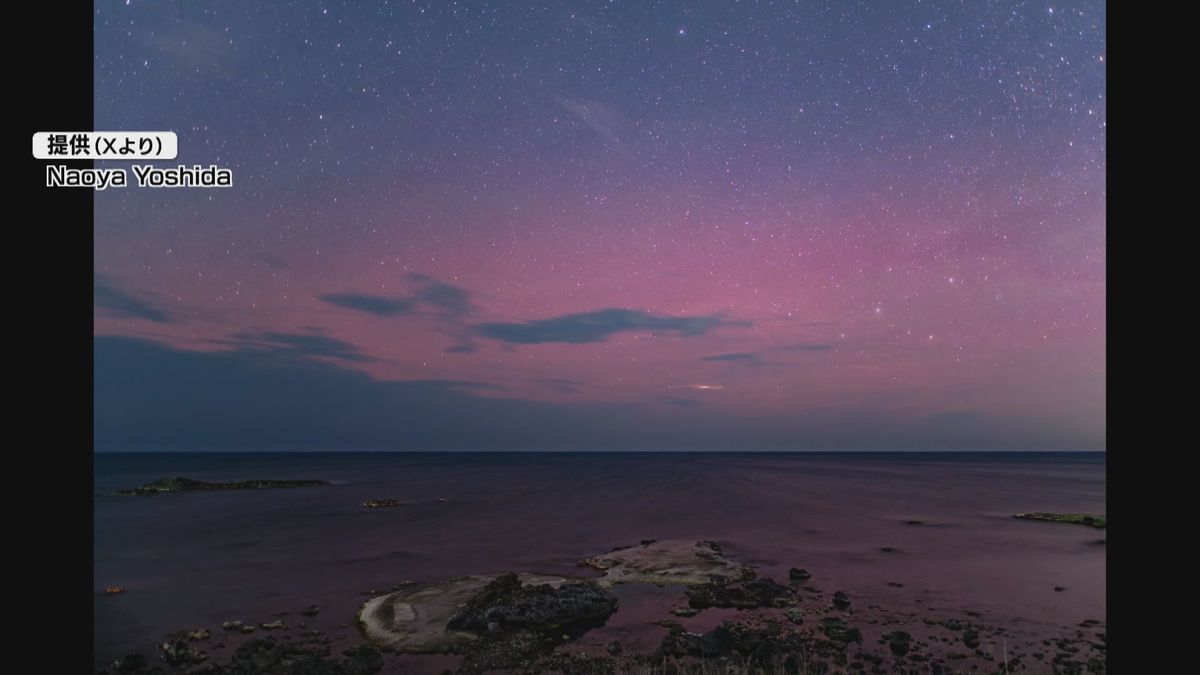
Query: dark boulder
point(899, 642)
point(799, 575)
point(837, 630)
point(841, 600)
point(970, 638)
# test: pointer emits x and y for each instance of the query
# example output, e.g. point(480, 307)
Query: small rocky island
point(181, 484)
point(383, 503)
point(1073, 518)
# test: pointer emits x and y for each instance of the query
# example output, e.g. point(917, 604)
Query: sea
point(932, 532)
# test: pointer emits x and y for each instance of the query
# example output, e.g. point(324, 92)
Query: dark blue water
point(196, 559)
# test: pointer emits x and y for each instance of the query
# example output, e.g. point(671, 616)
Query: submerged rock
point(1074, 518)
point(179, 653)
point(835, 629)
point(669, 562)
point(181, 484)
point(745, 595)
point(132, 664)
point(382, 503)
point(264, 656)
point(746, 648)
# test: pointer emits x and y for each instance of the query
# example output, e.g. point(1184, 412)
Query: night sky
point(606, 225)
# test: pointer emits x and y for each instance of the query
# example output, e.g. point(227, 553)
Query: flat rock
point(669, 562)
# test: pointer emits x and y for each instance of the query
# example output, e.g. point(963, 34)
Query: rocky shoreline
point(726, 618)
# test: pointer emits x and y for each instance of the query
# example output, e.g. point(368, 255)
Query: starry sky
point(810, 225)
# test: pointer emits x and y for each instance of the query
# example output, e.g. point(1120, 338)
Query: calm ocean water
point(196, 559)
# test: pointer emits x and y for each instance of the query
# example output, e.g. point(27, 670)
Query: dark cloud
point(560, 384)
point(269, 395)
point(370, 304)
point(114, 302)
point(598, 326)
point(280, 391)
point(450, 301)
point(451, 306)
point(446, 301)
point(753, 359)
point(738, 357)
point(312, 345)
point(808, 347)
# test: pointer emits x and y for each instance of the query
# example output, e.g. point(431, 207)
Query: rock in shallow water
point(970, 638)
point(898, 642)
point(382, 503)
point(745, 595)
point(837, 630)
point(448, 616)
point(669, 562)
point(179, 653)
point(507, 604)
point(264, 656)
point(507, 623)
point(798, 575)
point(841, 600)
point(1099, 522)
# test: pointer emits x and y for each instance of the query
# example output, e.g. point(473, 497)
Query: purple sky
point(647, 225)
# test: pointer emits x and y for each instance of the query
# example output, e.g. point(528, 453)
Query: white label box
point(132, 145)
